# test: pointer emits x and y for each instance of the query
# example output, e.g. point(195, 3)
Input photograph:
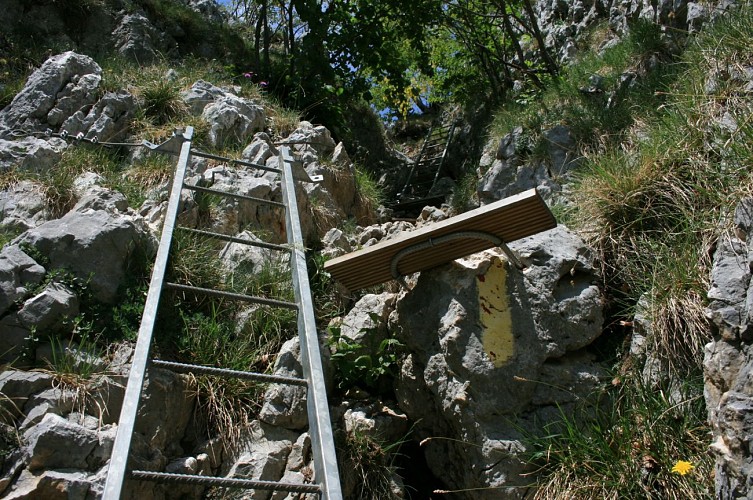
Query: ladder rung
point(233, 296)
point(225, 372)
point(210, 156)
point(225, 482)
point(232, 195)
point(233, 239)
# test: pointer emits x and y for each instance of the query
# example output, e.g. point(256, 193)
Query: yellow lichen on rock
point(494, 313)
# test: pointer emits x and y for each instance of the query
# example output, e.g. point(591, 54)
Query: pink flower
point(263, 84)
point(248, 75)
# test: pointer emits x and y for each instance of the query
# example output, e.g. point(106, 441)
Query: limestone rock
point(22, 205)
point(365, 323)
point(165, 410)
point(248, 259)
point(379, 421)
point(94, 245)
point(18, 271)
point(56, 442)
point(137, 39)
point(335, 243)
point(727, 359)
point(93, 195)
point(18, 386)
point(60, 87)
point(54, 400)
point(31, 154)
point(488, 345)
point(210, 9)
point(107, 120)
point(260, 149)
point(562, 150)
point(284, 404)
point(507, 174)
point(232, 118)
point(52, 309)
point(300, 455)
point(334, 198)
point(314, 142)
point(50, 485)
point(200, 95)
point(263, 456)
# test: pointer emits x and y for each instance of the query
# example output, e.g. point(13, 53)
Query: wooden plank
point(510, 219)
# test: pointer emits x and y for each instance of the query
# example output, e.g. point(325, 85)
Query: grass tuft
point(161, 101)
point(367, 465)
point(626, 445)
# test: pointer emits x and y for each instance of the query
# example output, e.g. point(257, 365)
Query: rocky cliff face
point(727, 363)
point(65, 430)
point(491, 351)
point(138, 31)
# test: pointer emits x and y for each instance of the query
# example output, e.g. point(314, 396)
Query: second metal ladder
point(326, 477)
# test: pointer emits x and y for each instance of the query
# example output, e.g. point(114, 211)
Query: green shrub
point(372, 365)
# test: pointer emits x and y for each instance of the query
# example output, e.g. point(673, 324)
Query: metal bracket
point(299, 173)
point(171, 146)
point(431, 242)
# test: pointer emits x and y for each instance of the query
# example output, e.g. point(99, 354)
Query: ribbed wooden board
point(510, 219)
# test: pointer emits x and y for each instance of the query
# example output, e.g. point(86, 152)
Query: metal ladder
point(427, 166)
point(326, 476)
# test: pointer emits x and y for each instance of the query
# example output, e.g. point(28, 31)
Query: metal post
point(320, 428)
point(117, 470)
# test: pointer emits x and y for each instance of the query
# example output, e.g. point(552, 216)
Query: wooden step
point(509, 219)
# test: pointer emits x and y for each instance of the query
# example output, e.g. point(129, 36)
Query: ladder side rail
point(320, 428)
point(119, 458)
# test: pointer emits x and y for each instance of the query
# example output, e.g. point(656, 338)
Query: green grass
point(222, 332)
point(626, 444)
point(367, 464)
point(595, 119)
point(368, 190)
point(76, 362)
point(145, 174)
point(658, 182)
point(161, 101)
point(8, 234)
point(464, 194)
point(652, 209)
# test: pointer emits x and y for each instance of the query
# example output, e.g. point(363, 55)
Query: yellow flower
point(682, 467)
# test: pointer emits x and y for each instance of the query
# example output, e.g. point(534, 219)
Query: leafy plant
point(368, 365)
point(8, 234)
point(329, 302)
point(127, 314)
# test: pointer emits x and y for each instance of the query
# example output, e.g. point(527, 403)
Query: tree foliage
point(405, 53)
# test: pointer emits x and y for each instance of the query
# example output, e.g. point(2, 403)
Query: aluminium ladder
point(326, 476)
